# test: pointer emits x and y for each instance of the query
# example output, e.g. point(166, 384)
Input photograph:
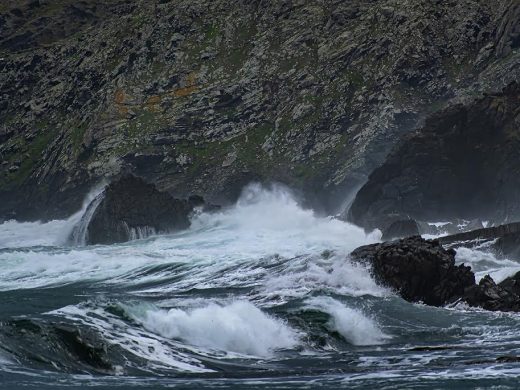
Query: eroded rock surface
point(132, 208)
point(422, 270)
point(419, 270)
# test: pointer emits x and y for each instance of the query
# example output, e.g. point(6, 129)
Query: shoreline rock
point(422, 270)
point(132, 208)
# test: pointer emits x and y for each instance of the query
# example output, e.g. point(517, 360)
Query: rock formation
point(464, 163)
point(131, 208)
point(420, 270)
point(423, 271)
point(203, 96)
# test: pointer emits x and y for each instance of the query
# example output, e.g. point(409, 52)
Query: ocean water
point(261, 295)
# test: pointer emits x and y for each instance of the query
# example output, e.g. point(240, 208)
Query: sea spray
point(15, 234)
point(79, 234)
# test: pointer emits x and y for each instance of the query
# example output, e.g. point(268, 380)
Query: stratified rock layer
point(132, 208)
point(203, 96)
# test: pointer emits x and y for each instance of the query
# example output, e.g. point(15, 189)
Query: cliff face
point(464, 163)
point(201, 96)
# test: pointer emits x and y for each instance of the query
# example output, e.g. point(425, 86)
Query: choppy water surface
point(260, 295)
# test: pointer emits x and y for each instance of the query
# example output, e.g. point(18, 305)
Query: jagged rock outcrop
point(490, 296)
point(202, 96)
point(422, 270)
point(131, 208)
point(464, 163)
point(419, 270)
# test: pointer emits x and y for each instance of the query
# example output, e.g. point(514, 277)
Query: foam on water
point(157, 351)
point(15, 234)
point(352, 324)
point(238, 327)
point(265, 222)
point(484, 263)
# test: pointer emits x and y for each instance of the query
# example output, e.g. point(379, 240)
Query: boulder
point(400, 229)
point(512, 284)
point(490, 296)
point(422, 270)
point(419, 270)
point(131, 208)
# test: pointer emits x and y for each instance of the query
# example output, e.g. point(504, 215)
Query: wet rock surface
point(132, 208)
point(422, 270)
point(464, 163)
point(419, 270)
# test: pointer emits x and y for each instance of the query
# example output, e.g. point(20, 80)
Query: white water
point(264, 223)
point(352, 324)
point(484, 263)
point(234, 247)
point(15, 234)
point(237, 327)
point(232, 287)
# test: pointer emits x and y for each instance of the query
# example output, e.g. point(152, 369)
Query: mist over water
point(258, 295)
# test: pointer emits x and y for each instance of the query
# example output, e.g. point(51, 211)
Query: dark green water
point(247, 299)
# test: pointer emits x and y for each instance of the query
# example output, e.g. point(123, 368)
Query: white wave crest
point(15, 234)
point(239, 327)
point(483, 263)
point(352, 324)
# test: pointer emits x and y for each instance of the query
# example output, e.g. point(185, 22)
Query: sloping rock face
point(203, 96)
point(400, 229)
point(504, 240)
point(132, 208)
point(464, 163)
point(422, 270)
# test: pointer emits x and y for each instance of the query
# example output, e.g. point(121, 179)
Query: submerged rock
point(423, 271)
point(132, 208)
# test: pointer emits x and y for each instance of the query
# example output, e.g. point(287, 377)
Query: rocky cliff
point(464, 163)
point(202, 96)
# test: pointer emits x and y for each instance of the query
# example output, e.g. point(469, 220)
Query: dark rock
point(423, 271)
point(132, 208)
point(512, 284)
point(490, 296)
point(419, 270)
point(400, 229)
point(462, 164)
point(490, 233)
